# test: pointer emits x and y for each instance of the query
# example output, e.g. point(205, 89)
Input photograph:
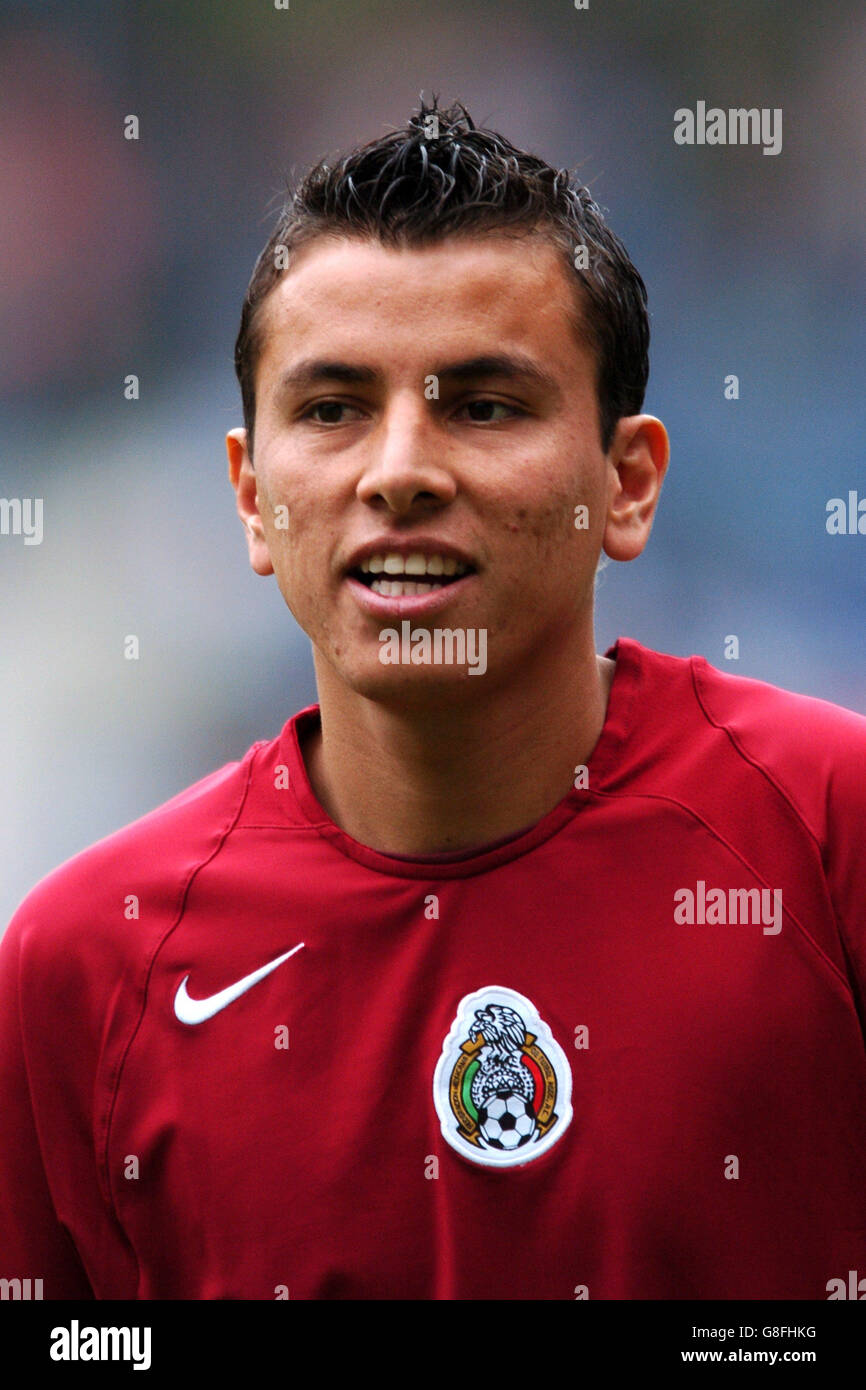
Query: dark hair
point(439, 177)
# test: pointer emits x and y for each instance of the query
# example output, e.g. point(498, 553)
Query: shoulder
point(746, 708)
point(116, 896)
point(812, 751)
point(805, 740)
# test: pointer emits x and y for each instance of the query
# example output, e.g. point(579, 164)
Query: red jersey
point(617, 1055)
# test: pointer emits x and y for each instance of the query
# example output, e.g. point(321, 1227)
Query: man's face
point(384, 426)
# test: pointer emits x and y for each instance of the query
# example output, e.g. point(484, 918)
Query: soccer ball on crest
point(506, 1121)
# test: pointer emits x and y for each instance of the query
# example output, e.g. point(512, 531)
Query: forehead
point(462, 295)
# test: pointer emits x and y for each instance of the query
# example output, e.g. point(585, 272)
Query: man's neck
point(454, 778)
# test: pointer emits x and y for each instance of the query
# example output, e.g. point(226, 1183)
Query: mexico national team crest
point(502, 1086)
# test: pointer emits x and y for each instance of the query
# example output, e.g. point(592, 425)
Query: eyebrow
point(317, 370)
point(510, 366)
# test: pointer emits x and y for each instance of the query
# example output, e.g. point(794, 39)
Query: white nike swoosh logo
point(197, 1010)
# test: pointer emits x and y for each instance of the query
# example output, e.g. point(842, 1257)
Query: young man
point(509, 971)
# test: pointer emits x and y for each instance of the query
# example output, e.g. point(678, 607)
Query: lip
point(409, 605)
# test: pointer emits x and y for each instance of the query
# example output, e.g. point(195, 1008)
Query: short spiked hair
point(441, 176)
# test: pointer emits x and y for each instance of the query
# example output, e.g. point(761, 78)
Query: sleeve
point(814, 753)
point(843, 848)
point(34, 1244)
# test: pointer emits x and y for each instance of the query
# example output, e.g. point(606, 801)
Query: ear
point(243, 480)
point(637, 462)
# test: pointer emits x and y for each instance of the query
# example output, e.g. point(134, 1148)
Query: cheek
point(293, 518)
point(543, 492)
point(548, 528)
point(544, 553)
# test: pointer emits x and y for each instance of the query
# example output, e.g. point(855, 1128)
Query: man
point(509, 970)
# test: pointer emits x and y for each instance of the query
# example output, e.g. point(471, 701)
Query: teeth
point(401, 588)
point(413, 564)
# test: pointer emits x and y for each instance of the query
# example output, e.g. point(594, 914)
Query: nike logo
point(189, 1010)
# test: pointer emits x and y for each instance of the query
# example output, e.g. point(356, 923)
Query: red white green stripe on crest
point(531, 1066)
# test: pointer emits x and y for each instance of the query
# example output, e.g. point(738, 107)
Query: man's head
point(455, 393)
point(414, 187)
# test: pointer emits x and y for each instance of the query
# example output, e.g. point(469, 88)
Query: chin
point(414, 687)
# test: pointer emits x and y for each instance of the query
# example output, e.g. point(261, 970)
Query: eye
point(330, 412)
point(482, 410)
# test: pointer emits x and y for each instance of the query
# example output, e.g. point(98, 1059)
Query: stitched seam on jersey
point(841, 926)
point(568, 809)
point(102, 1149)
point(673, 801)
point(799, 817)
point(278, 825)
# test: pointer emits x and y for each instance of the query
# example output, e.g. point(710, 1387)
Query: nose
point(406, 467)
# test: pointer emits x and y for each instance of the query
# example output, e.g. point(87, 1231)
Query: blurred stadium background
point(123, 256)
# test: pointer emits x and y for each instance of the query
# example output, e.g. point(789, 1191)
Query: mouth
point(409, 576)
